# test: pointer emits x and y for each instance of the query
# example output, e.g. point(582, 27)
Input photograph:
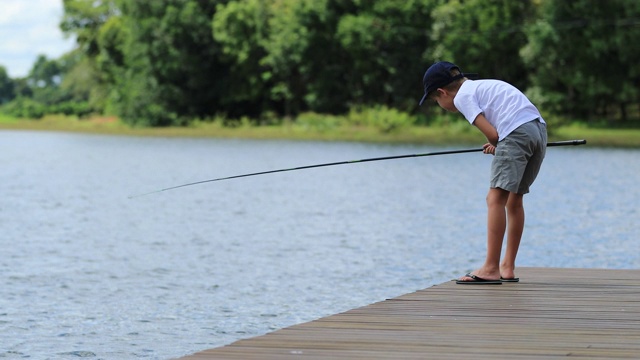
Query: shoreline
point(454, 133)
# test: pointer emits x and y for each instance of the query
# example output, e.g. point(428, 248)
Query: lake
point(88, 271)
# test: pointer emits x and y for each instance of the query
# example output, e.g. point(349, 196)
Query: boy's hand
point(489, 149)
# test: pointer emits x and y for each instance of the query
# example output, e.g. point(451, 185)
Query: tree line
point(168, 62)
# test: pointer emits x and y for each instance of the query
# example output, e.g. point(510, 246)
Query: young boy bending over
point(517, 137)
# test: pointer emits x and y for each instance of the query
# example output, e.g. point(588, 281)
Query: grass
point(600, 136)
point(456, 132)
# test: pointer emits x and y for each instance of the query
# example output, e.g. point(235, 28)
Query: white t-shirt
point(504, 106)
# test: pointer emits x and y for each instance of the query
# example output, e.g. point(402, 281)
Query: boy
point(517, 137)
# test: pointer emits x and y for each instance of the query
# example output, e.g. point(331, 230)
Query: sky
point(29, 28)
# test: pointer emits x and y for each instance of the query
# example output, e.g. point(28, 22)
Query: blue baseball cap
point(439, 75)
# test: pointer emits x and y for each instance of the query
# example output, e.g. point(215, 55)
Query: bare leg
point(515, 216)
point(496, 227)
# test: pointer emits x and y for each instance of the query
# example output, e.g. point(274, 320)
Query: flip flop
point(515, 279)
point(478, 281)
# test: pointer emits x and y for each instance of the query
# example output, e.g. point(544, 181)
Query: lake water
point(88, 272)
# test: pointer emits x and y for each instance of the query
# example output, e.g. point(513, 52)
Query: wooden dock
point(551, 313)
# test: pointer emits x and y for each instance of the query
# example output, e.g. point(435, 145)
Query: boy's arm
point(487, 129)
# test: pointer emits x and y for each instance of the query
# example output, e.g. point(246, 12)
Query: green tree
point(83, 78)
point(328, 55)
point(581, 58)
point(388, 46)
point(44, 79)
point(84, 18)
point(279, 51)
point(152, 63)
point(483, 36)
point(286, 45)
point(45, 73)
point(21, 88)
point(240, 29)
point(108, 67)
point(82, 81)
point(6, 86)
point(172, 72)
point(324, 65)
point(628, 32)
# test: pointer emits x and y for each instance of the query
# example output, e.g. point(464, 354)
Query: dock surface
point(550, 313)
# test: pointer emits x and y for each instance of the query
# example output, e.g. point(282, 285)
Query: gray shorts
point(518, 158)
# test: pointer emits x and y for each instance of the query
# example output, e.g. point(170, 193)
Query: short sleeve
point(466, 102)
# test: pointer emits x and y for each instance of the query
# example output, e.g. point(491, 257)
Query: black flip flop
point(515, 279)
point(478, 281)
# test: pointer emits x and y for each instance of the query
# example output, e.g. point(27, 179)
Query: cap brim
point(471, 76)
point(423, 99)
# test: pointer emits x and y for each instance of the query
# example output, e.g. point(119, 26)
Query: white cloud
point(29, 28)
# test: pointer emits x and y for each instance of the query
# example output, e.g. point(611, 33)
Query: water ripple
point(89, 273)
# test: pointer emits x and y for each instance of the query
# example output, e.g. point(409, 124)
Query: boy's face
point(444, 98)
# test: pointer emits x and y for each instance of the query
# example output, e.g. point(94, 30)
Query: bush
point(23, 107)
point(318, 122)
point(381, 117)
point(79, 108)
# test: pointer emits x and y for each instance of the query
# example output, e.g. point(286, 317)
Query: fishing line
point(446, 152)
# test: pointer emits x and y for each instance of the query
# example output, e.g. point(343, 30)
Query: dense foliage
point(168, 62)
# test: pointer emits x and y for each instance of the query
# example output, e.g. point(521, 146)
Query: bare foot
point(481, 273)
point(507, 272)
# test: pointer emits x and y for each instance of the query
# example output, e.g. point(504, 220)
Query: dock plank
point(551, 313)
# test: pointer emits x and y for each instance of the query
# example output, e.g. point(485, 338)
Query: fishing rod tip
point(141, 195)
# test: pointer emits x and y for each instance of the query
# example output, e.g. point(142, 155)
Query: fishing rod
point(446, 152)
